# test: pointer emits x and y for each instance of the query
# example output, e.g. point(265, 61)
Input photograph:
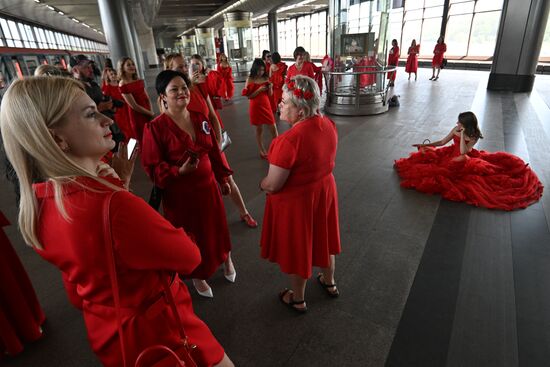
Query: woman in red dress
point(20, 314)
point(300, 228)
point(439, 52)
point(227, 88)
point(110, 88)
point(266, 58)
point(318, 72)
point(259, 90)
point(182, 157)
point(277, 74)
point(412, 59)
point(63, 203)
point(134, 94)
point(200, 102)
point(393, 60)
point(461, 173)
point(300, 67)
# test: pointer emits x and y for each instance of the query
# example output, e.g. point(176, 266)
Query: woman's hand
point(124, 166)
point(198, 77)
point(226, 188)
point(104, 170)
point(188, 166)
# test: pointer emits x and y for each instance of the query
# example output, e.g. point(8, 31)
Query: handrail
point(386, 70)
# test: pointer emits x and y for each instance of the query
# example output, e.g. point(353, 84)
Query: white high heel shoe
point(206, 293)
point(229, 276)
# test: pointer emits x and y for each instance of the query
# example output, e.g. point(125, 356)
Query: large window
point(545, 50)
point(19, 34)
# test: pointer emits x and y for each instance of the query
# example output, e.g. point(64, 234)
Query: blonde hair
point(169, 58)
point(310, 107)
point(120, 68)
point(47, 70)
point(105, 75)
point(30, 108)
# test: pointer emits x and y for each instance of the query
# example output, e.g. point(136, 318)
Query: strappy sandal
point(335, 293)
point(291, 303)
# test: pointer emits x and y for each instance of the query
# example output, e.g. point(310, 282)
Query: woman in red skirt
point(258, 89)
point(437, 61)
point(393, 60)
point(412, 59)
point(134, 94)
point(300, 228)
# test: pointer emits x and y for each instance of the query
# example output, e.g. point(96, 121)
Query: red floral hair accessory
point(307, 95)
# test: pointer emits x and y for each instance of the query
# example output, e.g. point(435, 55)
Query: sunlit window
point(545, 50)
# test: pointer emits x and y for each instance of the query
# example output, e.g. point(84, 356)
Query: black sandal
point(326, 287)
point(291, 303)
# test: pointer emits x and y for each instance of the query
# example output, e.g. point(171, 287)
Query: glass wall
point(545, 49)
point(19, 34)
point(308, 31)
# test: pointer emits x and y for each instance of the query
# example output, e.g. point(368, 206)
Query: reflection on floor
point(423, 282)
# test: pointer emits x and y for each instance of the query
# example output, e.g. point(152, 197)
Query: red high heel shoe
point(247, 218)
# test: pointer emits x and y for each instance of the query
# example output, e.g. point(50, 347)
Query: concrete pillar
point(272, 30)
point(519, 40)
point(115, 19)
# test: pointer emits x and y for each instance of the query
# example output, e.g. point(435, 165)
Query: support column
point(116, 24)
point(520, 35)
point(272, 30)
point(444, 18)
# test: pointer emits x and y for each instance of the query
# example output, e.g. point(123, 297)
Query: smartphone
point(195, 67)
point(131, 146)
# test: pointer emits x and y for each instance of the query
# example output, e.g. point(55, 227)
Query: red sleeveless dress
point(260, 106)
point(137, 120)
point(492, 180)
point(20, 312)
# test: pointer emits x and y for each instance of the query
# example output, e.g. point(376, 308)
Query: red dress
point(439, 52)
point(20, 312)
point(146, 248)
point(307, 70)
point(492, 180)
point(121, 114)
point(137, 120)
point(227, 88)
point(393, 60)
point(278, 80)
point(300, 227)
point(192, 201)
point(412, 59)
point(370, 63)
point(260, 105)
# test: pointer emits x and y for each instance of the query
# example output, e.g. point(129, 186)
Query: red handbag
point(155, 355)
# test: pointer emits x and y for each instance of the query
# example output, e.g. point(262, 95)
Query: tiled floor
point(424, 282)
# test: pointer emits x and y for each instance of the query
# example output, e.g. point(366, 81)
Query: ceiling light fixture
point(50, 7)
point(75, 20)
point(260, 17)
point(60, 13)
point(218, 14)
point(303, 3)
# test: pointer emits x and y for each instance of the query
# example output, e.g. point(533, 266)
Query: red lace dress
point(492, 180)
point(20, 313)
point(260, 105)
point(227, 88)
point(137, 120)
point(121, 114)
point(300, 227)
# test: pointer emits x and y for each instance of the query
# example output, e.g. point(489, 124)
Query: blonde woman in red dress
point(412, 60)
point(259, 90)
point(64, 199)
point(133, 91)
point(300, 228)
point(277, 74)
point(110, 88)
point(393, 60)
point(459, 172)
point(227, 88)
point(437, 61)
point(300, 66)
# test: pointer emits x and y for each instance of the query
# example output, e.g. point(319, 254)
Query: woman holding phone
point(181, 155)
point(55, 138)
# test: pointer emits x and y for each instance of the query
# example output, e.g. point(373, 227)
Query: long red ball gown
point(227, 88)
point(393, 60)
point(306, 69)
point(20, 312)
point(300, 227)
point(439, 52)
point(278, 80)
point(146, 248)
point(137, 120)
point(192, 201)
point(260, 105)
point(492, 180)
point(121, 115)
point(412, 59)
